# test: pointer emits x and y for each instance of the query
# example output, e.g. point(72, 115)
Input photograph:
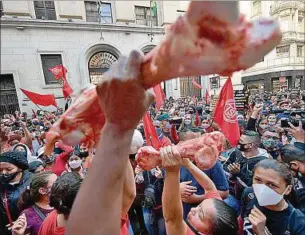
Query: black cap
point(15, 158)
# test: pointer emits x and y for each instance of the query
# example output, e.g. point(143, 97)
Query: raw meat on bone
point(212, 38)
point(203, 150)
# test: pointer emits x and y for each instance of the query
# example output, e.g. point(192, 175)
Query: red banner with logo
point(225, 114)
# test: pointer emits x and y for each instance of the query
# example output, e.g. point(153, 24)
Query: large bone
point(203, 150)
point(212, 38)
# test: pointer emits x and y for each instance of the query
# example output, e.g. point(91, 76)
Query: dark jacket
point(13, 194)
point(246, 164)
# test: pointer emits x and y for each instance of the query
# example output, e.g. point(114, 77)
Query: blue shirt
point(216, 174)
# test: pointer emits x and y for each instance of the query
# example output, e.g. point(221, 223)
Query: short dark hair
point(226, 219)
point(64, 191)
point(253, 135)
point(291, 153)
point(277, 166)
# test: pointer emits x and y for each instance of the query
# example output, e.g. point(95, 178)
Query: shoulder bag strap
point(7, 210)
point(39, 212)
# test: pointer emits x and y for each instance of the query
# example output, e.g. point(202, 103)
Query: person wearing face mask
point(36, 166)
point(262, 125)
point(264, 208)
point(272, 120)
point(295, 159)
point(75, 164)
point(35, 204)
point(14, 178)
point(271, 142)
point(240, 164)
point(47, 160)
point(22, 148)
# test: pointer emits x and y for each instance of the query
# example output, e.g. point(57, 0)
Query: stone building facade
point(85, 36)
point(284, 66)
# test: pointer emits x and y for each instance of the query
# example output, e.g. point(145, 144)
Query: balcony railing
point(278, 62)
point(292, 35)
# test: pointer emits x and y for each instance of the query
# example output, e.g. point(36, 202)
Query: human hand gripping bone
point(203, 150)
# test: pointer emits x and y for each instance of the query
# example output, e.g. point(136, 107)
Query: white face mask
point(75, 164)
point(205, 126)
point(266, 196)
point(187, 121)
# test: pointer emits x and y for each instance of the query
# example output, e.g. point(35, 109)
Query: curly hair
point(64, 191)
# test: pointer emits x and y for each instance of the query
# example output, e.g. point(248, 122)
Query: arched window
point(98, 64)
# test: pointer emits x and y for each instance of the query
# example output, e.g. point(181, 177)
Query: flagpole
point(39, 107)
point(150, 8)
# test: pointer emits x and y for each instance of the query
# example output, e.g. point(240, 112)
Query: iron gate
point(8, 95)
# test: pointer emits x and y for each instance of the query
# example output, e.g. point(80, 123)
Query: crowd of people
point(256, 187)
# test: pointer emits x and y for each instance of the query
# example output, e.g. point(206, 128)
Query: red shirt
point(209, 195)
point(124, 225)
point(61, 160)
point(49, 225)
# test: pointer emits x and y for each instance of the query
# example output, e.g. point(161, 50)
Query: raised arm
point(171, 203)
point(27, 134)
point(99, 201)
point(205, 182)
point(129, 189)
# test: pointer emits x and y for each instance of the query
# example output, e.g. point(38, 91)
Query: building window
point(1, 9)
point(143, 16)
point(257, 8)
point(283, 51)
point(299, 51)
point(99, 63)
point(180, 13)
point(45, 10)
point(98, 12)
point(47, 62)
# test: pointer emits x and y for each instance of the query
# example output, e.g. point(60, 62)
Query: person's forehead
point(271, 133)
point(207, 206)
point(6, 165)
point(269, 175)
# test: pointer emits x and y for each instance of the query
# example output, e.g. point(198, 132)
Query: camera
point(293, 119)
point(175, 121)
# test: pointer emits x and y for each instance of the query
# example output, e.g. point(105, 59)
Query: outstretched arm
point(171, 203)
point(205, 182)
point(129, 189)
point(99, 201)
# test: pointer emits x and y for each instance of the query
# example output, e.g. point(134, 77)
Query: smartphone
point(284, 123)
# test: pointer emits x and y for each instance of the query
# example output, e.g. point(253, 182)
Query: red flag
point(66, 89)
point(150, 132)
point(160, 96)
point(58, 71)
point(207, 97)
point(225, 114)
point(174, 134)
point(197, 85)
point(197, 119)
point(44, 100)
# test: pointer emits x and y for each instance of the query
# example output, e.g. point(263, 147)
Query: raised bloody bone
point(212, 38)
point(203, 150)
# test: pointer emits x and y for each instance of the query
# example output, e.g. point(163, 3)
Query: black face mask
point(241, 147)
point(83, 154)
point(274, 154)
point(24, 153)
point(6, 178)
